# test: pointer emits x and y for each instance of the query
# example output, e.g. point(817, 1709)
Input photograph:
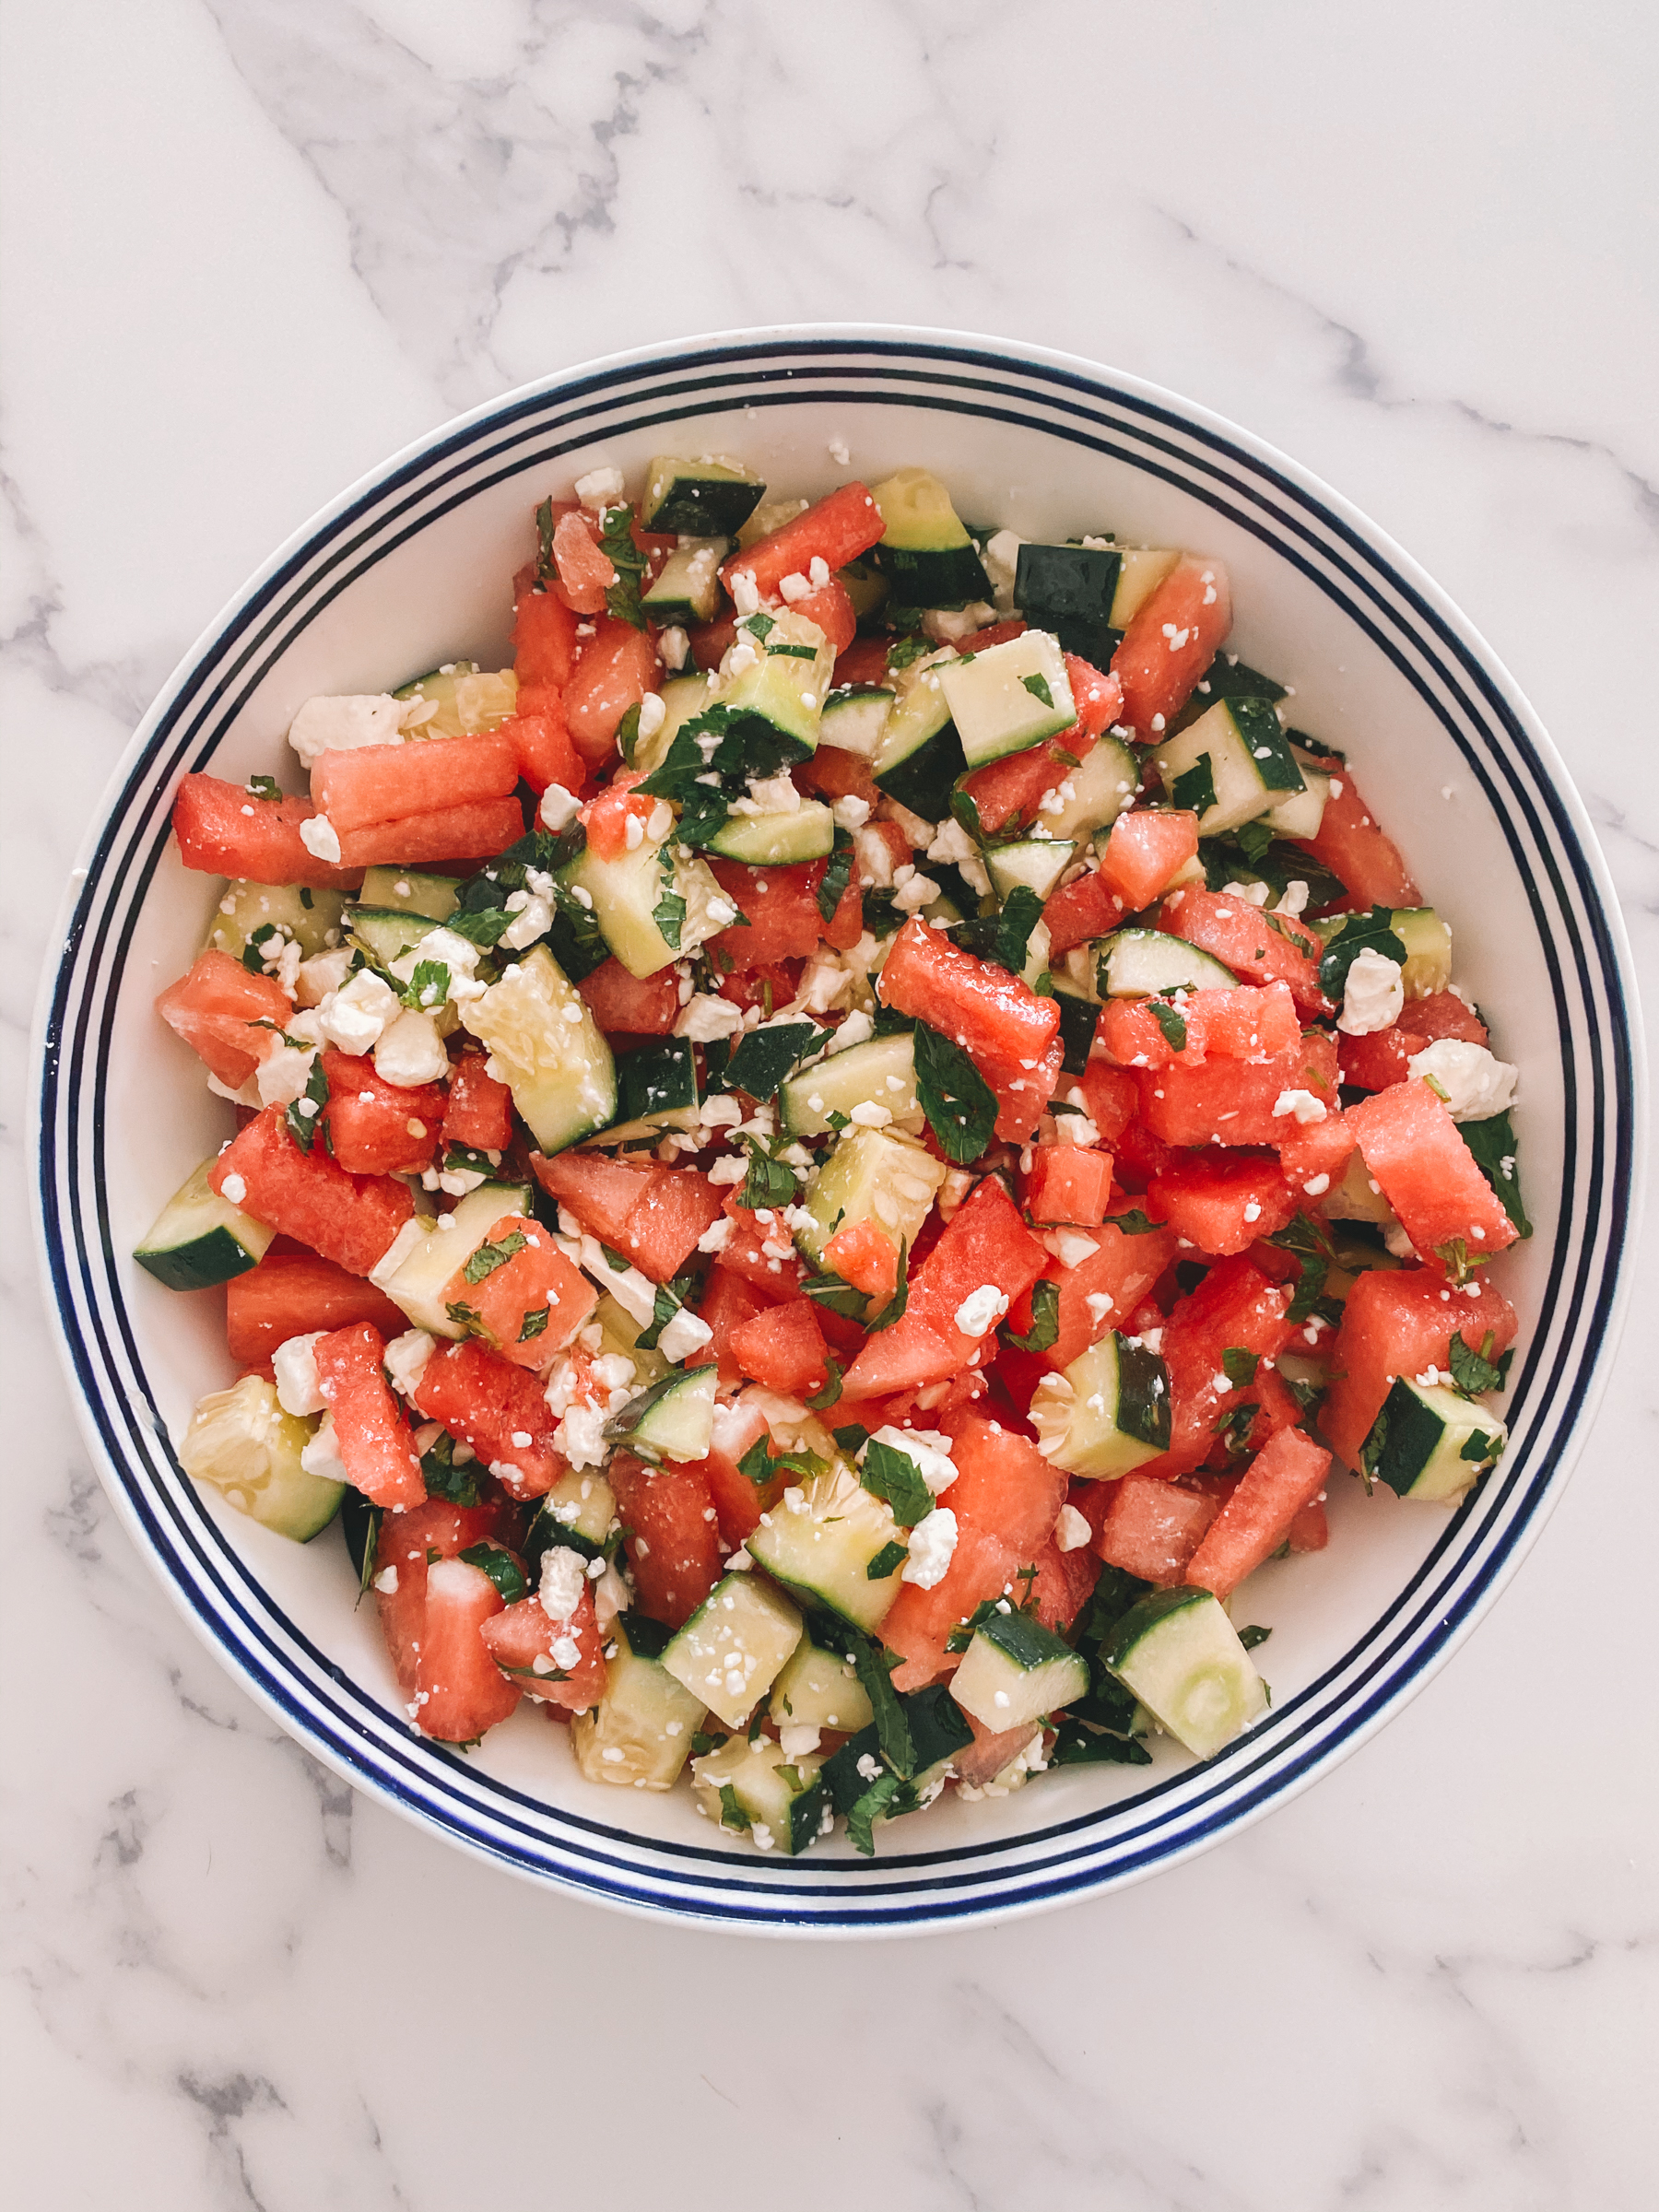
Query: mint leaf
point(429, 986)
point(1359, 933)
point(862, 1820)
point(1169, 1022)
point(1046, 1319)
point(759, 1464)
point(1021, 912)
point(895, 1307)
point(1133, 1222)
point(1239, 1367)
point(488, 1257)
point(959, 1104)
point(889, 1557)
point(837, 1297)
point(535, 1325)
point(770, 1182)
point(874, 1667)
point(732, 1814)
point(615, 535)
point(821, 1400)
point(893, 1474)
point(669, 914)
point(546, 573)
point(1472, 1373)
point(263, 787)
point(1195, 788)
point(1478, 1448)
point(670, 1298)
point(836, 876)
point(1253, 1636)
point(304, 1115)
point(501, 1568)
point(1038, 688)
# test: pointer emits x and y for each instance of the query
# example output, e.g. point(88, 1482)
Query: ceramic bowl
point(412, 567)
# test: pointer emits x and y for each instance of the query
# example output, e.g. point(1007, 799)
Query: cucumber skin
point(1147, 1614)
point(198, 1266)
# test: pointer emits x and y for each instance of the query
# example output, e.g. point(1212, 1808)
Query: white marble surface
point(250, 246)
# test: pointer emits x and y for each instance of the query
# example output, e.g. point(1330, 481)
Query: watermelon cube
point(384, 782)
point(407, 1544)
point(1069, 1185)
point(1414, 1150)
point(459, 1691)
point(1146, 850)
point(374, 1127)
point(1365, 861)
point(1169, 644)
point(1223, 1204)
point(297, 1294)
point(673, 1536)
point(544, 639)
point(783, 1348)
point(1401, 1323)
point(1152, 1528)
point(214, 1007)
point(1232, 1101)
point(478, 1111)
point(534, 1652)
point(223, 830)
point(1010, 1034)
point(1257, 950)
point(1277, 1484)
point(347, 1218)
point(371, 1436)
point(520, 1293)
point(494, 1408)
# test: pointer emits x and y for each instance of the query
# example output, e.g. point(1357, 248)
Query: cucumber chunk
point(644, 1714)
point(819, 1689)
point(627, 896)
point(1038, 862)
point(1301, 814)
point(1141, 570)
point(777, 841)
point(705, 498)
point(731, 1649)
point(434, 895)
point(386, 933)
point(582, 1506)
point(871, 1175)
point(672, 1418)
point(683, 698)
point(1427, 942)
point(1099, 787)
point(1430, 1441)
point(428, 1252)
point(1015, 1671)
point(881, 1071)
point(1070, 589)
point(200, 1238)
point(547, 1046)
point(468, 698)
point(779, 669)
point(1177, 1652)
point(920, 756)
point(243, 1442)
point(1229, 766)
point(1137, 963)
point(688, 589)
point(855, 717)
point(780, 1802)
point(1009, 696)
point(818, 1542)
point(311, 918)
point(1107, 1413)
point(657, 1082)
point(925, 553)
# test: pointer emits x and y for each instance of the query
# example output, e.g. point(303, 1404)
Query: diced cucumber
point(657, 1082)
point(779, 669)
point(547, 1047)
point(781, 1802)
point(1177, 1652)
point(1070, 589)
point(582, 1505)
point(683, 698)
point(688, 588)
point(731, 1649)
point(772, 514)
point(871, 1175)
point(925, 553)
point(1107, 1413)
point(311, 918)
point(1137, 963)
point(1009, 696)
point(672, 1418)
point(434, 895)
point(1038, 862)
point(865, 585)
point(1141, 569)
point(855, 717)
point(427, 1253)
point(1079, 1019)
point(620, 1333)
point(819, 1540)
point(1302, 812)
point(1430, 1442)
point(1102, 785)
point(881, 1071)
point(920, 756)
point(1356, 1196)
point(819, 1689)
point(1229, 766)
point(200, 1238)
point(1015, 1671)
point(628, 895)
point(243, 1442)
point(777, 841)
point(386, 933)
point(468, 698)
point(705, 498)
point(937, 1730)
point(644, 1715)
point(1427, 942)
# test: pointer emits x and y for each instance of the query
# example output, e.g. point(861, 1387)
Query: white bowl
point(413, 566)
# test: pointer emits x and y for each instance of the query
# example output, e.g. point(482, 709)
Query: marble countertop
point(250, 247)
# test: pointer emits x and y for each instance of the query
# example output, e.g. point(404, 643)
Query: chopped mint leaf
point(488, 1257)
point(305, 1115)
point(837, 876)
point(615, 537)
point(265, 787)
point(1038, 688)
point(1133, 1222)
point(770, 1182)
point(893, 1474)
point(895, 1307)
point(1479, 1448)
point(429, 986)
point(669, 914)
point(889, 1557)
point(1253, 1636)
point(455, 1485)
point(874, 1667)
point(1195, 789)
point(501, 1568)
point(959, 1104)
point(732, 1814)
point(1359, 933)
point(821, 1400)
point(1169, 1022)
point(1046, 1319)
point(1021, 912)
point(1472, 1373)
point(670, 1298)
point(1239, 1367)
point(862, 1820)
point(546, 573)
point(1076, 1744)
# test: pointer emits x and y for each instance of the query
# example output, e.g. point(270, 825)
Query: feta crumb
point(705, 1017)
point(405, 1359)
point(683, 1335)
point(980, 1309)
point(234, 1189)
point(341, 726)
point(867, 1114)
point(1374, 996)
point(355, 1016)
point(601, 488)
point(317, 835)
point(563, 1579)
point(1071, 1531)
point(1474, 1082)
point(932, 1546)
point(410, 1052)
point(1302, 1104)
point(386, 1581)
point(294, 1364)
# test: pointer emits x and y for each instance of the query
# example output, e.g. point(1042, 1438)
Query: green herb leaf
point(1493, 1142)
point(1239, 1367)
point(429, 986)
point(821, 1400)
point(481, 925)
point(703, 1742)
point(468, 1316)
point(862, 1820)
point(1453, 1255)
point(791, 652)
point(501, 1568)
point(1046, 1319)
point(880, 912)
point(1478, 1448)
point(770, 1182)
point(888, 1473)
point(1195, 789)
point(907, 650)
point(759, 1465)
point(455, 1485)
point(265, 787)
point(1021, 912)
point(1133, 1222)
point(1170, 1022)
point(488, 1257)
point(669, 914)
point(959, 1104)
point(758, 625)
point(1359, 933)
point(874, 1667)
point(962, 1635)
point(1472, 1373)
point(304, 1114)
point(670, 1297)
point(887, 1559)
point(1078, 1746)
point(535, 1325)
point(836, 876)
point(895, 1307)
point(615, 536)
point(830, 1291)
point(1038, 688)
point(732, 1814)
point(1253, 1636)
point(546, 573)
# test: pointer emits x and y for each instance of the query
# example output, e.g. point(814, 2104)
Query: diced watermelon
point(831, 609)
point(295, 1294)
point(783, 1348)
point(1365, 861)
point(834, 530)
point(759, 1252)
point(370, 1435)
point(780, 906)
point(673, 1537)
point(1011, 1035)
point(478, 1113)
point(606, 817)
point(1087, 908)
point(474, 831)
point(1011, 790)
point(350, 1220)
point(1444, 1014)
point(585, 571)
point(1063, 1584)
point(711, 642)
point(1245, 1023)
point(1232, 1101)
point(372, 1126)
point(984, 1242)
point(1109, 1095)
point(655, 1215)
point(1006, 1499)
point(384, 782)
point(1311, 1530)
point(489, 1404)
point(541, 744)
point(631, 1004)
point(728, 1300)
point(401, 1560)
point(1288, 1475)
point(1257, 950)
point(1372, 1062)
point(1097, 695)
point(224, 830)
point(529, 1305)
point(1117, 1275)
point(1310, 1149)
point(615, 668)
point(739, 1502)
point(522, 1634)
point(1169, 644)
point(1415, 1150)
point(1400, 1323)
point(1067, 1183)
point(1222, 1204)
point(544, 639)
point(1146, 850)
point(1151, 1528)
point(865, 1256)
point(212, 1008)
point(459, 1689)
point(832, 773)
point(1234, 1309)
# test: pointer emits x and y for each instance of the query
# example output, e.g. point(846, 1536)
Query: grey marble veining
point(250, 246)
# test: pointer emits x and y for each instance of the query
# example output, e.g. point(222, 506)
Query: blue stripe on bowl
point(1178, 1813)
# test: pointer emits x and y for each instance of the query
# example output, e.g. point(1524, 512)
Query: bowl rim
point(1064, 373)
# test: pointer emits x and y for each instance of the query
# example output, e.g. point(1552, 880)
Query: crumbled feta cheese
point(980, 1309)
point(1374, 996)
point(839, 451)
point(717, 1236)
point(1474, 1082)
point(1071, 1247)
point(600, 488)
point(386, 1581)
point(321, 1455)
point(867, 1114)
point(234, 1189)
point(683, 1335)
point(874, 857)
point(1294, 900)
point(563, 1579)
point(355, 1016)
point(911, 889)
point(796, 1739)
point(559, 809)
point(868, 1767)
point(1071, 1531)
point(294, 1364)
point(745, 597)
point(1002, 564)
point(770, 794)
point(932, 1546)
point(340, 725)
point(947, 624)
point(673, 645)
point(858, 1028)
point(317, 835)
point(410, 1052)
point(405, 1359)
point(323, 973)
point(704, 1017)
point(580, 1435)
point(1302, 1104)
